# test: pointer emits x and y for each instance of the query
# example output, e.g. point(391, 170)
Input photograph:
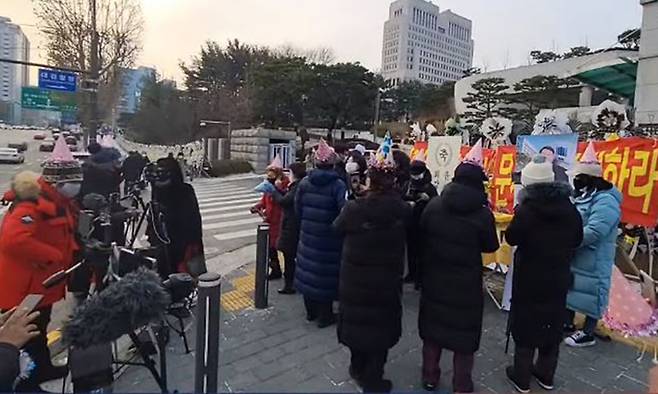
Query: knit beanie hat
point(61, 166)
point(589, 164)
point(539, 170)
point(417, 167)
point(471, 175)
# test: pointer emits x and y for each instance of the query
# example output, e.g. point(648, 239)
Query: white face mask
point(69, 189)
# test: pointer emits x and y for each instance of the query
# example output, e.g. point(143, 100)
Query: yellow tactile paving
point(242, 297)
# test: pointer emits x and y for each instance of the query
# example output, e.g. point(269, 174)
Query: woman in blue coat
point(320, 198)
point(599, 204)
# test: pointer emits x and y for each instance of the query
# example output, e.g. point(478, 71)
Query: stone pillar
point(585, 98)
point(646, 90)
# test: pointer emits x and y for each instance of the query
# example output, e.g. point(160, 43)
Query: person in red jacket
point(37, 239)
point(272, 214)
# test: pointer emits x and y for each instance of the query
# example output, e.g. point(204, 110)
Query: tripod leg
point(149, 363)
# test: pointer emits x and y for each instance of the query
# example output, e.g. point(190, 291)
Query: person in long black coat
point(419, 192)
point(178, 218)
point(289, 234)
point(547, 229)
point(370, 313)
point(458, 227)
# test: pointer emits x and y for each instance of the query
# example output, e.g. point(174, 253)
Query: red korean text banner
point(419, 151)
point(631, 164)
point(499, 165)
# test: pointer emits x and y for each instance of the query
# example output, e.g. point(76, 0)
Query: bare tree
point(66, 27)
point(319, 55)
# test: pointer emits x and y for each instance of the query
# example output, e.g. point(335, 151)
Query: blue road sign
point(57, 80)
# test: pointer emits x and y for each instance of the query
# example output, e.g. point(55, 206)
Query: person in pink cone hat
point(272, 212)
point(599, 204)
point(320, 199)
point(457, 228)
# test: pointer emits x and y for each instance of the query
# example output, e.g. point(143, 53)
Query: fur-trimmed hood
point(550, 200)
point(24, 186)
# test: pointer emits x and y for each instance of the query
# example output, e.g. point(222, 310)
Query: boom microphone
point(124, 306)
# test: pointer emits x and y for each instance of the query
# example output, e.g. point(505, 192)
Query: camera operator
point(176, 213)
point(132, 169)
point(16, 329)
point(102, 177)
point(38, 240)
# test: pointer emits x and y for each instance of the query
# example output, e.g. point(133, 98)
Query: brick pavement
point(276, 350)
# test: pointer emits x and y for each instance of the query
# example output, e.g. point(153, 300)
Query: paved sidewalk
point(276, 350)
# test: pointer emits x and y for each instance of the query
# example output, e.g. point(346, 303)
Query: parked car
point(39, 137)
point(11, 155)
point(81, 156)
point(21, 146)
point(48, 145)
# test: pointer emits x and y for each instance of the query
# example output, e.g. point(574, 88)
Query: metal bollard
point(207, 334)
point(262, 259)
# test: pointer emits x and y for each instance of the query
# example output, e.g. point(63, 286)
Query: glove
point(265, 187)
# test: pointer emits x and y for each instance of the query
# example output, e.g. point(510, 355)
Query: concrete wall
point(646, 91)
point(253, 145)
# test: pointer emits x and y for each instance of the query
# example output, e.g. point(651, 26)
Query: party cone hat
point(589, 164)
point(324, 154)
point(475, 155)
point(61, 152)
point(277, 163)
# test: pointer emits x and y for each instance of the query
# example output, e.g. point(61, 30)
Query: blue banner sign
point(57, 80)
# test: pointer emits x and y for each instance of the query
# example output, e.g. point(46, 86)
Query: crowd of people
point(347, 229)
point(40, 237)
point(352, 230)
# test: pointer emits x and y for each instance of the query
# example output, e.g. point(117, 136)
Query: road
point(33, 157)
point(224, 204)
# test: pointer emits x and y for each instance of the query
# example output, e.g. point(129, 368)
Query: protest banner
point(499, 166)
point(443, 156)
point(419, 151)
point(501, 185)
point(631, 164)
point(559, 149)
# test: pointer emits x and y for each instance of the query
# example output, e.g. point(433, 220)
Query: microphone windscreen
point(136, 300)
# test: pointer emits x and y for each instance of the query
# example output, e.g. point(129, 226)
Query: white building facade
point(423, 44)
point(14, 45)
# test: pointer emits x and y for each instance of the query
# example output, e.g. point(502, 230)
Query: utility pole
point(94, 71)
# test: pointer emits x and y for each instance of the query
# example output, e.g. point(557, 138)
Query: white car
point(11, 155)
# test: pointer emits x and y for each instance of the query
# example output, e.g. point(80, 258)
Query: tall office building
point(132, 83)
point(421, 43)
point(14, 45)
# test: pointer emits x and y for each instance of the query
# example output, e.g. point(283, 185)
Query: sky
point(505, 31)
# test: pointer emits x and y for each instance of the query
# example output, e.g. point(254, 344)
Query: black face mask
point(582, 183)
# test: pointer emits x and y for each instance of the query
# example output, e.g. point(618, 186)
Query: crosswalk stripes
point(225, 212)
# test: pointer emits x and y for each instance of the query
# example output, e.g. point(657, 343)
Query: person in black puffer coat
point(101, 172)
point(419, 192)
point(458, 227)
point(289, 235)
point(320, 198)
point(547, 229)
point(370, 312)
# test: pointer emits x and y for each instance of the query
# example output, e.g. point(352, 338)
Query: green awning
point(618, 79)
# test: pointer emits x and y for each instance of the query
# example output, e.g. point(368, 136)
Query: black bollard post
point(207, 334)
point(262, 258)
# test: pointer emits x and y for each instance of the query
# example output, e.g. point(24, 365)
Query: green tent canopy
point(618, 79)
